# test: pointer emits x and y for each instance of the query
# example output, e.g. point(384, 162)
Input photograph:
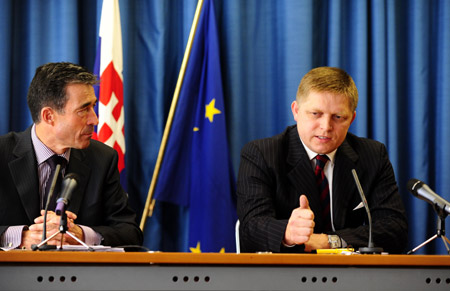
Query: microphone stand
point(43, 246)
point(62, 230)
point(371, 248)
point(440, 230)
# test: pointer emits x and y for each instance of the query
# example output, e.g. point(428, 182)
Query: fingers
point(50, 226)
point(34, 233)
point(71, 215)
point(298, 232)
point(51, 216)
point(31, 237)
point(76, 231)
point(40, 219)
point(302, 218)
point(301, 224)
point(53, 221)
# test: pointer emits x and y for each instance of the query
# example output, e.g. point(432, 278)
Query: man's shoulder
point(358, 142)
point(9, 141)
point(273, 142)
point(12, 136)
point(97, 155)
point(274, 149)
point(362, 146)
point(98, 147)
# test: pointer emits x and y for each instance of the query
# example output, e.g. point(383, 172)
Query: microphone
point(52, 186)
point(370, 249)
point(423, 192)
point(49, 198)
point(68, 185)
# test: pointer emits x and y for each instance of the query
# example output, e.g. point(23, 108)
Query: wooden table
point(61, 270)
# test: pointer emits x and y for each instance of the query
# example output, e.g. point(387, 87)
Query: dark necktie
point(324, 190)
point(52, 162)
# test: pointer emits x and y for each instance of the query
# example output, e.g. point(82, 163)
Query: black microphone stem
point(49, 197)
point(370, 249)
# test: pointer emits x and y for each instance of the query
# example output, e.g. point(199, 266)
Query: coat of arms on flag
point(109, 67)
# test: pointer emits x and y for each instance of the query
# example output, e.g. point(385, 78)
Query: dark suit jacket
point(275, 171)
point(99, 201)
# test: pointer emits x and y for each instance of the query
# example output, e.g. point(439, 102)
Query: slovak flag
point(109, 66)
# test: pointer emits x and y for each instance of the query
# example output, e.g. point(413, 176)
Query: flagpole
point(150, 202)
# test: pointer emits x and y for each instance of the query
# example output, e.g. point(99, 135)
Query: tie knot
point(321, 160)
point(55, 160)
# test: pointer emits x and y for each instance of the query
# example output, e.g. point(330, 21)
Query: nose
point(93, 119)
point(326, 123)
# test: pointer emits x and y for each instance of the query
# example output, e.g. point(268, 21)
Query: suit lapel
point(301, 174)
point(302, 178)
point(78, 166)
point(343, 183)
point(24, 173)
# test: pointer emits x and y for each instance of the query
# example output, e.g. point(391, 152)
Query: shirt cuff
point(288, 246)
point(12, 237)
point(91, 238)
point(343, 243)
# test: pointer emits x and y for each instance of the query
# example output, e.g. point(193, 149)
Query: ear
point(354, 116)
point(294, 108)
point(47, 115)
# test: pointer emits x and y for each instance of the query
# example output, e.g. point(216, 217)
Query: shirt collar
point(42, 151)
point(312, 155)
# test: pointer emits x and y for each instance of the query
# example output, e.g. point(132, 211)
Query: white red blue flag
point(109, 66)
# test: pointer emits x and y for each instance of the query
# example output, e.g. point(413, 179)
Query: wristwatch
point(334, 241)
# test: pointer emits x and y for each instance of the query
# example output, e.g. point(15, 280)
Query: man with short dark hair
point(296, 191)
point(61, 100)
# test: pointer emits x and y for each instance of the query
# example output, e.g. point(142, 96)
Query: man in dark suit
point(61, 99)
point(279, 205)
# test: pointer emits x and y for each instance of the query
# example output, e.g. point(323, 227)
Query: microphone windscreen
point(412, 185)
point(71, 176)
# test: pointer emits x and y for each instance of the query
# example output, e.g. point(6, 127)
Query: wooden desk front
point(26, 270)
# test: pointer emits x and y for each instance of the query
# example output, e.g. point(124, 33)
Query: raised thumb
point(304, 203)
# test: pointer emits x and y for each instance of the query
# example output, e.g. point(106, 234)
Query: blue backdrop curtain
point(398, 53)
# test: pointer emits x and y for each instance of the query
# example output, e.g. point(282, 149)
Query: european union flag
point(196, 170)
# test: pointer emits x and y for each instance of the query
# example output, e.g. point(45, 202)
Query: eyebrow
point(87, 104)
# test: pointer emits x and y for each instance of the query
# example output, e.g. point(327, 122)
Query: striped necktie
point(52, 162)
point(324, 190)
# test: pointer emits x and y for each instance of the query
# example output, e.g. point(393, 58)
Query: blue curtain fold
point(398, 53)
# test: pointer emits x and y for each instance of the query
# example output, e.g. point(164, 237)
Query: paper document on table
point(98, 248)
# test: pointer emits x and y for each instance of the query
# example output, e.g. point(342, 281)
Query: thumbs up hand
point(300, 226)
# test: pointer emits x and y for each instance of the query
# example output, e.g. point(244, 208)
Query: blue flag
point(196, 170)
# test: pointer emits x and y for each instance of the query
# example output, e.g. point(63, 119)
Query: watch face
point(334, 241)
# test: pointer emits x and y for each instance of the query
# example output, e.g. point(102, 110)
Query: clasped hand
point(33, 235)
point(300, 228)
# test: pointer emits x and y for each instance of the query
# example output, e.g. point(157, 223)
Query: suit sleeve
point(256, 188)
point(119, 225)
point(389, 224)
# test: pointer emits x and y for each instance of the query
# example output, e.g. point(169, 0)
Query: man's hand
point(317, 241)
point(34, 233)
point(301, 224)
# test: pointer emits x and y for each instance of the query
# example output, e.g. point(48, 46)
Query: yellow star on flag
point(211, 110)
point(196, 250)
